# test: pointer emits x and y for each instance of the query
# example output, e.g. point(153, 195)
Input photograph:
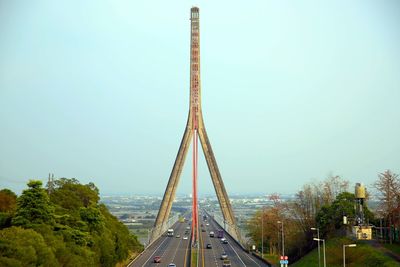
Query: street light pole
point(262, 233)
point(323, 245)
point(319, 247)
point(344, 252)
point(283, 239)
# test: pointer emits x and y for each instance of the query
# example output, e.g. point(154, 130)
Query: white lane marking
point(215, 258)
point(252, 260)
point(154, 251)
point(215, 246)
point(236, 254)
point(176, 250)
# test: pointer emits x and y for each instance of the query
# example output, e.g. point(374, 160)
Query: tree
point(33, 206)
point(388, 186)
point(70, 194)
point(330, 217)
point(24, 247)
point(264, 222)
point(8, 204)
point(68, 229)
point(8, 201)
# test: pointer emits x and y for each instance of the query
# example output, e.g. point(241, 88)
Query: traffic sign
point(285, 257)
point(282, 257)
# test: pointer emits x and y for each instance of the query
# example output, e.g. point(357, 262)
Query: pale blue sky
point(292, 91)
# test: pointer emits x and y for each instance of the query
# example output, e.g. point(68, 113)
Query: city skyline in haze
point(291, 92)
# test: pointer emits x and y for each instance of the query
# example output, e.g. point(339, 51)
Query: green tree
point(330, 217)
point(70, 194)
point(33, 206)
point(70, 228)
point(24, 247)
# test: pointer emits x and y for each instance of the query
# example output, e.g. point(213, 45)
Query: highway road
point(177, 250)
point(212, 257)
point(170, 249)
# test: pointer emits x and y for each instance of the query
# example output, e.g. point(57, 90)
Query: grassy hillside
point(362, 255)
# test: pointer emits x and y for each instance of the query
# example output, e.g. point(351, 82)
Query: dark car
point(157, 259)
point(208, 246)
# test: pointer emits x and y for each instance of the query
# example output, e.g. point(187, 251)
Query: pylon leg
point(170, 191)
point(216, 178)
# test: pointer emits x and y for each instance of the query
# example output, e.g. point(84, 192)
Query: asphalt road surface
point(212, 257)
point(170, 249)
point(177, 249)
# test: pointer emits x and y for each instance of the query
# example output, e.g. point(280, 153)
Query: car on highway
point(224, 256)
point(188, 227)
point(173, 265)
point(157, 259)
point(226, 263)
point(211, 234)
point(185, 237)
point(207, 224)
point(178, 236)
point(209, 246)
point(203, 230)
point(224, 240)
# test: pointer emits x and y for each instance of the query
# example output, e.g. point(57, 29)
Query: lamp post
point(283, 239)
point(319, 247)
point(344, 252)
point(262, 233)
point(323, 245)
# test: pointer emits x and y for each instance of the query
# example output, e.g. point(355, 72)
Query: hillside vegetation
point(64, 225)
point(362, 255)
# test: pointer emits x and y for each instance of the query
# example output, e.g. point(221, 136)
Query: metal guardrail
point(230, 229)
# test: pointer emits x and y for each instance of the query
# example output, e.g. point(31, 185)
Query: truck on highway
point(170, 232)
point(220, 233)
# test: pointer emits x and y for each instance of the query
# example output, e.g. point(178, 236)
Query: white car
point(185, 237)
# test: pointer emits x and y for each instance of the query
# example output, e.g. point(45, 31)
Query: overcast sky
point(292, 91)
